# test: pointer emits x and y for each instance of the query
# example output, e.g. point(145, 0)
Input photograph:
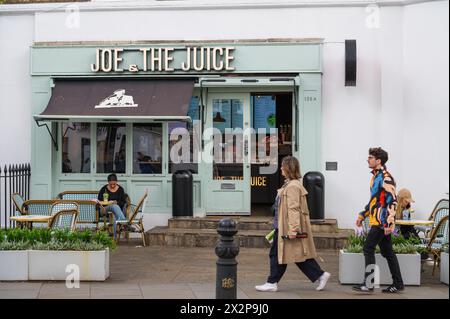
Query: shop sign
point(162, 60)
point(256, 181)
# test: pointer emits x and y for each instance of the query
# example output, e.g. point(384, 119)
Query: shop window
point(177, 159)
point(111, 148)
point(76, 148)
point(147, 148)
point(189, 131)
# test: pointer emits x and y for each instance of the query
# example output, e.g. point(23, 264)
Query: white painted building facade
point(400, 102)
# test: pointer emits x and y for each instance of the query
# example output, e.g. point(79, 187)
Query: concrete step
point(182, 237)
point(245, 223)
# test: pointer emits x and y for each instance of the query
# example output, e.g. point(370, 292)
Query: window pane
point(194, 108)
point(147, 148)
point(177, 159)
point(111, 148)
point(76, 148)
point(228, 114)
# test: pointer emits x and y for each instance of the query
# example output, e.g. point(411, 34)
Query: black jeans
point(309, 267)
point(376, 237)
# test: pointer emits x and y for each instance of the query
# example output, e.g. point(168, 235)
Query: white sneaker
point(267, 287)
point(323, 281)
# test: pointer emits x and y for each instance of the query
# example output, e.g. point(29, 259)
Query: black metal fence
point(13, 179)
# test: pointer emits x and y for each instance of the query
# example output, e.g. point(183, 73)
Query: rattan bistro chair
point(439, 238)
point(18, 201)
point(64, 215)
point(64, 219)
point(134, 221)
point(436, 215)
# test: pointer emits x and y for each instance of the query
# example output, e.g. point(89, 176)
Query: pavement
point(138, 272)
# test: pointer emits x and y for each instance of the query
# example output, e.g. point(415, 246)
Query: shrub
point(46, 239)
point(400, 245)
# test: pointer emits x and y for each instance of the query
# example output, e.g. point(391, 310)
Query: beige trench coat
point(293, 213)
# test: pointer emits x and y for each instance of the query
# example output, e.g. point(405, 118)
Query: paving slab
point(115, 290)
point(60, 291)
point(188, 273)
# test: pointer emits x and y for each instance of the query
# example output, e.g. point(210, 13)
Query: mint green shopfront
point(233, 85)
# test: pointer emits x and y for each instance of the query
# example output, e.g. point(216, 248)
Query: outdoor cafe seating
point(76, 210)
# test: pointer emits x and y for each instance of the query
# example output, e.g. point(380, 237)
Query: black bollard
point(226, 250)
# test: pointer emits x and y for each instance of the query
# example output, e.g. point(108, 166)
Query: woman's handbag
point(299, 235)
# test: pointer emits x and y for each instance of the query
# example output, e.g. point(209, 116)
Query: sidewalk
point(189, 273)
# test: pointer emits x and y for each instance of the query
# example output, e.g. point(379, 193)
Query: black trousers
point(309, 267)
point(376, 237)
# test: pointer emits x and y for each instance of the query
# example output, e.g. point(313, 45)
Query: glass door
point(228, 168)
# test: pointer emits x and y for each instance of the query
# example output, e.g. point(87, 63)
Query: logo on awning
point(117, 99)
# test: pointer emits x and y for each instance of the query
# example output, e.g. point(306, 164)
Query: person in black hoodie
point(115, 193)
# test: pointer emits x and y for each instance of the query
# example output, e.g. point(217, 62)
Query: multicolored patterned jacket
point(383, 200)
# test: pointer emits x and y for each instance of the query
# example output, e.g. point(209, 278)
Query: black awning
point(111, 99)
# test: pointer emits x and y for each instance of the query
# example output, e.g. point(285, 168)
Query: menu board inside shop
point(264, 112)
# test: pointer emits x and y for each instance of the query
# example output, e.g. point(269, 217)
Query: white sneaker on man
point(323, 280)
point(267, 287)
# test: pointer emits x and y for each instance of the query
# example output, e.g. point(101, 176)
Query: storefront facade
point(233, 85)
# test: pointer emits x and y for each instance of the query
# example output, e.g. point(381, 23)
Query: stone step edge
point(329, 226)
point(262, 220)
point(342, 234)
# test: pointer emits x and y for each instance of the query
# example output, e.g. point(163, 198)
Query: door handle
point(246, 146)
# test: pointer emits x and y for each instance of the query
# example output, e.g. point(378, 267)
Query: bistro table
point(30, 219)
point(107, 203)
point(414, 222)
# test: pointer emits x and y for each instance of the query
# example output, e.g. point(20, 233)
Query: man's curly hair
point(380, 154)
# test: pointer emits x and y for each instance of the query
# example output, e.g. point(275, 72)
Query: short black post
point(226, 250)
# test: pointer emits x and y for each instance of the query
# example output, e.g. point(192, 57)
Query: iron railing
point(13, 179)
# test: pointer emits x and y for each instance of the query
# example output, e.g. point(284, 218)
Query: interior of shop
point(269, 110)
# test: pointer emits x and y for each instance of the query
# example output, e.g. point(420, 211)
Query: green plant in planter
point(355, 241)
point(400, 245)
point(46, 239)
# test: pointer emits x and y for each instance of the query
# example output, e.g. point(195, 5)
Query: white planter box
point(52, 265)
point(13, 265)
point(444, 268)
point(352, 267)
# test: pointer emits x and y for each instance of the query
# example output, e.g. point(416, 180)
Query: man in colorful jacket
point(381, 213)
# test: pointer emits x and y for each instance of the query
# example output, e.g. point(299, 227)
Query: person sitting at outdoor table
point(115, 193)
point(404, 200)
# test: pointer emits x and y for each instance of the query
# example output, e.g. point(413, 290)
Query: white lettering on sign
point(162, 60)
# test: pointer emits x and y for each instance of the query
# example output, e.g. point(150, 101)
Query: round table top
point(107, 203)
point(413, 222)
point(31, 218)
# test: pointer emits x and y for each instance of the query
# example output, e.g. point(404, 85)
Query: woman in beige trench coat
point(292, 218)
